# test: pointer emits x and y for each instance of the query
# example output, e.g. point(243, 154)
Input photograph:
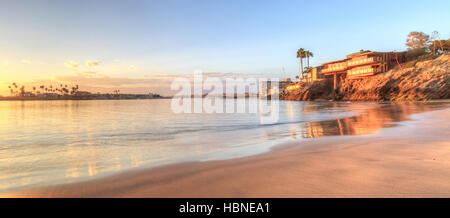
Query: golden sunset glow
point(224, 99)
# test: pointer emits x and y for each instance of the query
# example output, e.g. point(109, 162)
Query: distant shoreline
point(77, 98)
point(170, 97)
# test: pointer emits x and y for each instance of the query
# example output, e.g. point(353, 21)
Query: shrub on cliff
point(414, 54)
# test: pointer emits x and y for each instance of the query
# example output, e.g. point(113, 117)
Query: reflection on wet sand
point(367, 122)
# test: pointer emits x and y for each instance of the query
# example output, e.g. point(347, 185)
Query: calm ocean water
point(52, 142)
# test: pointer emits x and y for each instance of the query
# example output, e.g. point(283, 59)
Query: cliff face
point(320, 90)
point(420, 81)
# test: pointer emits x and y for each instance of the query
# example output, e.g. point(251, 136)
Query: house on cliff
point(357, 65)
point(313, 74)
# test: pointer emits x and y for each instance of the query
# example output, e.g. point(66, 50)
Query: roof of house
point(356, 54)
point(362, 52)
point(337, 61)
point(370, 52)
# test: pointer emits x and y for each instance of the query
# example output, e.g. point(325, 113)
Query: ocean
point(54, 142)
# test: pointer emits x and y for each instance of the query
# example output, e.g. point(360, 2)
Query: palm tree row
point(17, 90)
point(302, 53)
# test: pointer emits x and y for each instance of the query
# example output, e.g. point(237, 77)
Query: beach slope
point(409, 160)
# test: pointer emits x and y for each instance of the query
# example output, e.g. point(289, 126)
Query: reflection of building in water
point(73, 172)
point(314, 130)
point(366, 123)
point(93, 169)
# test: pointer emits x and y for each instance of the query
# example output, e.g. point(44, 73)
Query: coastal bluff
point(424, 80)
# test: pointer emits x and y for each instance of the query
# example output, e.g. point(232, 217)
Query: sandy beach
point(411, 159)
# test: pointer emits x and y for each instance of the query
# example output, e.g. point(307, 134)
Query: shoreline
point(80, 99)
point(377, 165)
point(170, 97)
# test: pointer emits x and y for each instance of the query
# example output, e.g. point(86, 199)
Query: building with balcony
point(313, 74)
point(335, 67)
point(368, 63)
point(355, 66)
point(362, 64)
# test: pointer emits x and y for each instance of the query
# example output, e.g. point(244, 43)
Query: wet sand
point(411, 159)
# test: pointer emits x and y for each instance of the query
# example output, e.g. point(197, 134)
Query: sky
point(141, 46)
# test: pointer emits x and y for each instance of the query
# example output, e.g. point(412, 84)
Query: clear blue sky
point(143, 38)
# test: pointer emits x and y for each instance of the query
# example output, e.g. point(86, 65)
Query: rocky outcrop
point(320, 90)
point(425, 80)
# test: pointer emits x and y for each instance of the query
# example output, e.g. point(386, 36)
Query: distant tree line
point(62, 91)
point(20, 90)
point(422, 46)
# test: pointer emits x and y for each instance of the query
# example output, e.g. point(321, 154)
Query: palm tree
point(74, 90)
point(308, 54)
point(42, 87)
point(22, 91)
point(301, 55)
